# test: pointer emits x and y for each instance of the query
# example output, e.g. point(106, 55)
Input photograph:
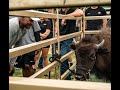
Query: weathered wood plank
point(68, 71)
point(32, 4)
point(22, 83)
point(37, 45)
point(39, 14)
point(48, 68)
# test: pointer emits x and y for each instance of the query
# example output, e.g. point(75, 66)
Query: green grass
point(18, 72)
point(93, 78)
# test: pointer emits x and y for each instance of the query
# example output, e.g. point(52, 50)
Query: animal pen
point(34, 82)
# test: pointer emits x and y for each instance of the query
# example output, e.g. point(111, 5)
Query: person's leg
point(70, 63)
point(36, 59)
point(40, 65)
point(63, 51)
point(70, 60)
point(53, 49)
point(11, 70)
point(45, 56)
point(27, 68)
point(11, 66)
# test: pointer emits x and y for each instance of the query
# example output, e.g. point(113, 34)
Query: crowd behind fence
point(37, 45)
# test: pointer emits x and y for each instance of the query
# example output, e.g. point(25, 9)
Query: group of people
point(26, 30)
point(32, 30)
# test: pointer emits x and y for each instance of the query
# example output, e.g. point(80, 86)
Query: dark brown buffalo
point(94, 51)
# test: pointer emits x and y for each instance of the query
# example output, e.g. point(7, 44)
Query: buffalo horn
point(100, 44)
point(74, 41)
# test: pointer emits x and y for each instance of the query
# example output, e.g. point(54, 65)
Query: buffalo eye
point(92, 56)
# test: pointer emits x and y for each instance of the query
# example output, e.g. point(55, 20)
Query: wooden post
point(58, 34)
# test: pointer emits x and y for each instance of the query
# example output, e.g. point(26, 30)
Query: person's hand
point(63, 22)
point(42, 36)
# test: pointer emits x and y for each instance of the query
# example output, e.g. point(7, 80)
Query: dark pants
point(25, 59)
point(40, 65)
point(25, 62)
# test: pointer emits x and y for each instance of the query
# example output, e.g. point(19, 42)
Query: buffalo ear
point(103, 51)
point(73, 46)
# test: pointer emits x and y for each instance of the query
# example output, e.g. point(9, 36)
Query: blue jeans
point(64, 49)
point(40, 62)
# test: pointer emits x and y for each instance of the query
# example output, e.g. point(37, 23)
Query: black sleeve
point(49, 26)
point(71, 10)
point(103, 11)
point(86, 11)
point(37, 36)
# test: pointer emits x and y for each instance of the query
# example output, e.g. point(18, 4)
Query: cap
point(35, 19)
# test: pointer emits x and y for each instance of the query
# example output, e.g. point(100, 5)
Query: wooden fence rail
point(32, 83)
point(39, 14)
point(22, 83)
point(33, 4)
point(37, 45)
point(49, 67)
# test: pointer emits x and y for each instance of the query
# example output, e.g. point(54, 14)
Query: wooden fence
point(32, 4)
point(22, 83)
point(14, 6)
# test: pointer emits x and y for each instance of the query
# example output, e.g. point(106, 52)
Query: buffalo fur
point(103, 62)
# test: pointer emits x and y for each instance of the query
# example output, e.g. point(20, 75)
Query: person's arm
point(104, 23)
point(36, 29)
point(12, 33)
point(76, 13)
point(104, 20)
point(44, 35)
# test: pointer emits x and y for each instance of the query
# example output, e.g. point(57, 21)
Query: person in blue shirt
point(67, 27)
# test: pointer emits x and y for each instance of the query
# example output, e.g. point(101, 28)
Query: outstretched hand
point(63, 22)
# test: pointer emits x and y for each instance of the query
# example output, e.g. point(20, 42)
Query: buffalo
point(93, 52)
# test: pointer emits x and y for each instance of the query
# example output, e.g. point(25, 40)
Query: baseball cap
point(35, 19)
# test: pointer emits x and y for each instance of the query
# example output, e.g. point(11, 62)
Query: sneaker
point(46, 75)
point(40, 67)
point(71, 64)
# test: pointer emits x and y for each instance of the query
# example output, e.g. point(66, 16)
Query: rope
point(57, 57)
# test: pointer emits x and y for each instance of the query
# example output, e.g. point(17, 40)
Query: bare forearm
point(44, 35)
point(77, 13)
point(104, 23)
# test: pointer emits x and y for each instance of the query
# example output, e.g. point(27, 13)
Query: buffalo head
point(86, 56)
